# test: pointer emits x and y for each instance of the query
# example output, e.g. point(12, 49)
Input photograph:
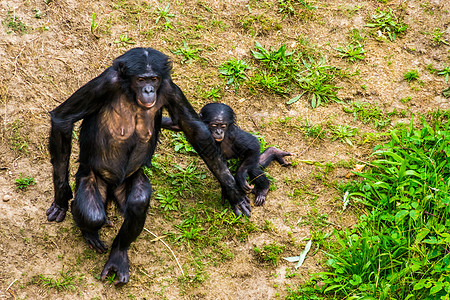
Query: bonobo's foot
point(94, 241)
point(260, 200)
point(243, 207)
point(281, 160)
point(260, 197)
point(117, 263)
point(56, 213)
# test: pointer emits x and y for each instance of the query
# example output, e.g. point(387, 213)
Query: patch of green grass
point(398, 250)
point(436, 37)
point(125, 40)
point(14, 24)
point(189, 54)
point(317, 81)
point(180, 144)
point(233, 71)
point(164, 14)
point(270, 253)
point(23, 183)
point(352, 52)
point(368, 113)
point(260, 24)
point(411, 75)
point(295, 7)
point(65, 282)
point(18, 138)
point(343, 133)
point(388, 23)
point(444, 72)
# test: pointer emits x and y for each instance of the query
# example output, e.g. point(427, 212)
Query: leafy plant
point(164, 14)
point(444, 72)
point(352, 52)
point(316, 80)
point(125, 40)
point(270, 253)
point(180, 143)
point(167, 201)
point(24, 182)
point(14, 24)
point(411, 75)
point(234, 71)
point(437, 39)
point(398, 250)
point(189, 54)
point(343, 132)
point(66, 281)
point(386, 22)
point(289, 7)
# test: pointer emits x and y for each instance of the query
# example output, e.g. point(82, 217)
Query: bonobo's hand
point(56, 213)
point(238, 200)
point(118, 263)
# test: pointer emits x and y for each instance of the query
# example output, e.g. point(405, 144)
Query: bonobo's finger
point(243, 207)
point(106, 271)
point(260, 200)
point(247, 187)
point(121, 279)
point(56, 213)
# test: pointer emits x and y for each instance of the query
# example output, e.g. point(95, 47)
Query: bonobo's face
point(218, 129)
point(145, 86)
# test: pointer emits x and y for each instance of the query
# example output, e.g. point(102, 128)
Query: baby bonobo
point(236, 143)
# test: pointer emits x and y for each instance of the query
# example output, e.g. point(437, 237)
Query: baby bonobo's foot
point(260, 196)
point(56, 213)
point(94, 241)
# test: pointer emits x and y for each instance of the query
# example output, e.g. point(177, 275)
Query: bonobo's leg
point(135, 211)
point(88, 207)
point(261, 184)
point(271, 154)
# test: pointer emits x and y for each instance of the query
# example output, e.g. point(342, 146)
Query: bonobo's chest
point(124, 120)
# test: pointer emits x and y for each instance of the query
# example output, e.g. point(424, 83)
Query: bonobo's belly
point(128, 141)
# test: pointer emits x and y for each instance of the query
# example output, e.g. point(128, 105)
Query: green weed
point(234, 71)
point(411, 75)
point(293, 7)
point(189, 54)
point(17, 138)
point(180, 144)
point(436, 37)
point(125, 40)
point(398, 250)
point(343, 133)
point(270, 253)
point(23, 183)
point(387, 23)
point(166, 15)
point(352, 52)
point(65, 282)
point(14, 24)
point(368, 113)
point(444, 72)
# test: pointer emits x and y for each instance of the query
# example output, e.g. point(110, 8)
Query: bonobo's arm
point(200, 137)
point(86, 100)
point(167, 123)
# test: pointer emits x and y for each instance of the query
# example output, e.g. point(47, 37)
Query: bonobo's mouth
point(146, 105)
point(218, 139)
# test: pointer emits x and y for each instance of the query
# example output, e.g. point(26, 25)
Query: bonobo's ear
point(121, 69)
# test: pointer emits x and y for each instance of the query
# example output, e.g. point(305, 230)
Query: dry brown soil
point(42, 67)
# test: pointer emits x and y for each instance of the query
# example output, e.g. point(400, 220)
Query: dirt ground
point(43, 64)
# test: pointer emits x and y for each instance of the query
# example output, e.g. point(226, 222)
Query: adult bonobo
point(121, 111)
point(236, 143)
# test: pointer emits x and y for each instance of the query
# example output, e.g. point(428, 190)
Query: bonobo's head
point(219, 117)
point(141, 73)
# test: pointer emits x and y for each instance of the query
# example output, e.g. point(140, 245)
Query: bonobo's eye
point(141, 79)
point(153, 78)
point(213, 125)
point(224, 126)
